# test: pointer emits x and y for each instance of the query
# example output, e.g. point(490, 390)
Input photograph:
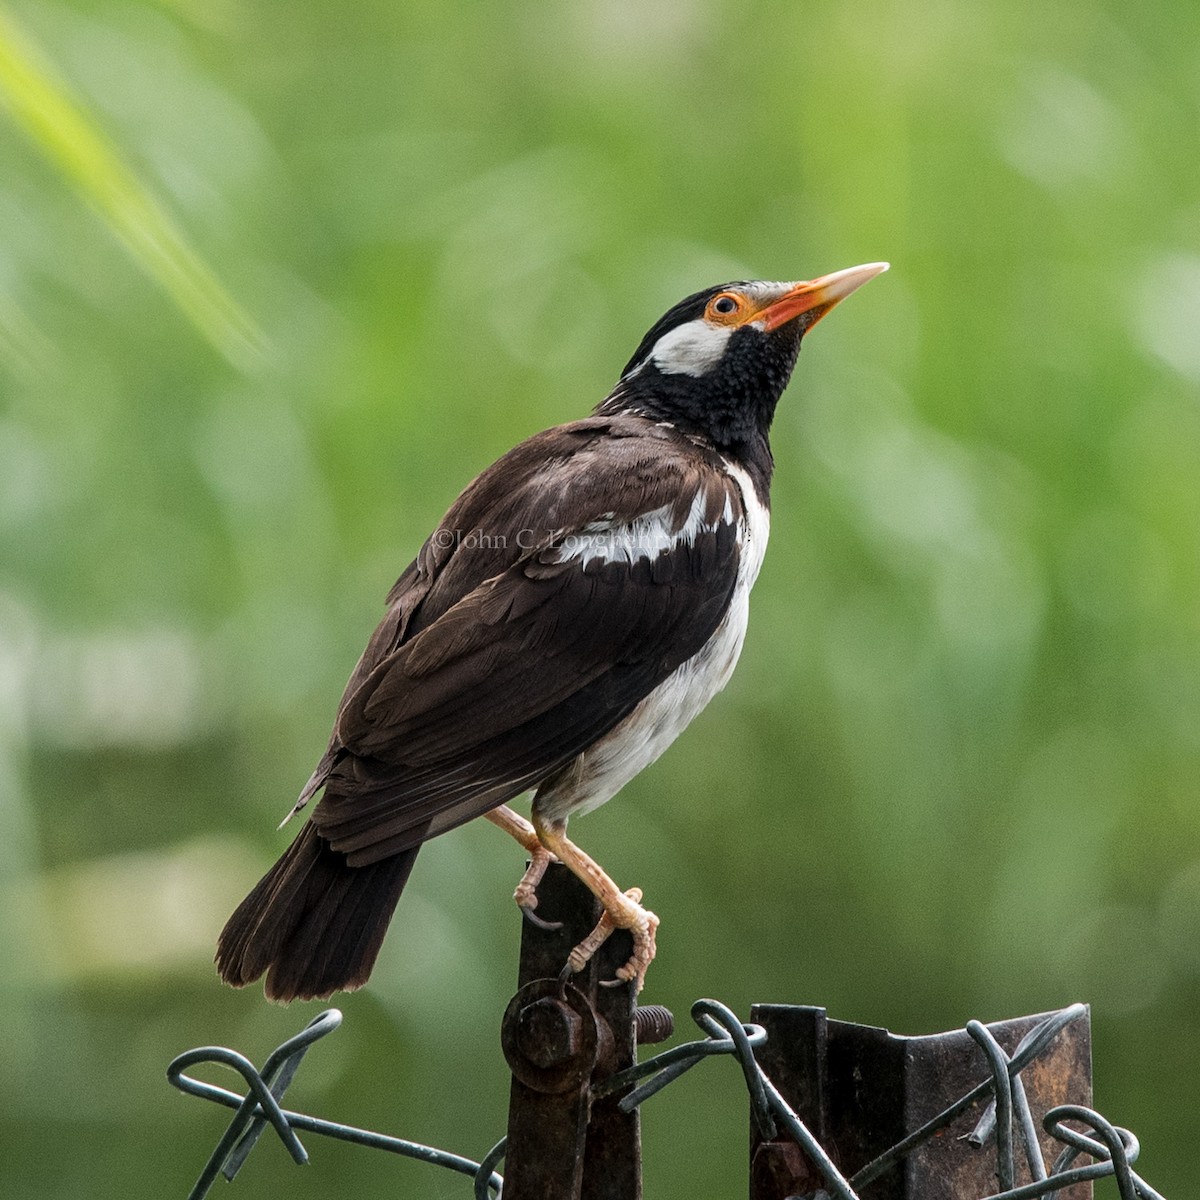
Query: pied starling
point(581, 602)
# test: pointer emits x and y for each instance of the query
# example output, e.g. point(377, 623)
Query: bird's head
point(718, 361)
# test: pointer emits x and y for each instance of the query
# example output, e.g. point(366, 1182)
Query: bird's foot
point(622, 911)
point(540, 858)
point(526, 891)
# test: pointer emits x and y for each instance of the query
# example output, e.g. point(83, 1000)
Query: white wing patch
point(647, 536)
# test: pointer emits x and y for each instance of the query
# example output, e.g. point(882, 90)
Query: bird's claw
point(526, 891)
point(641, 923)
point(564, 976)
point(538, 922)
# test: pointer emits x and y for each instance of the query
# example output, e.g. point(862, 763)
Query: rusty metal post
point(861, 1089)
point(558, 1039)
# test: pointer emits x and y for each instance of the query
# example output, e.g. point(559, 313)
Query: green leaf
point(43, 108)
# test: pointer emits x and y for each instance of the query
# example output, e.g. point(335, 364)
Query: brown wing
point(506, 651)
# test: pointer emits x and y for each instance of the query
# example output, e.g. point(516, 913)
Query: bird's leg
point(539, 859)
point(622, 910)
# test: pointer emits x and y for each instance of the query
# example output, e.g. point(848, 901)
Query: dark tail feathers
point(313, 924)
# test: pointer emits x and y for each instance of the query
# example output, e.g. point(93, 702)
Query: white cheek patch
point(691, 349)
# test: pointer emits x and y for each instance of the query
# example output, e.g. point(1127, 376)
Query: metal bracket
point(894, 1112)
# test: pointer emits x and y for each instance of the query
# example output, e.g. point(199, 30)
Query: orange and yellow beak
point(816, 297)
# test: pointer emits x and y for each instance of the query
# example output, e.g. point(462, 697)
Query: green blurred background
point(277, 279)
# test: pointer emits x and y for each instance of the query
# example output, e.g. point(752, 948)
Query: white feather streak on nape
point(691, 349)
point(646, 536)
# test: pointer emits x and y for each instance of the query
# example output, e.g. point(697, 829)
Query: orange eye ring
point(726, 307)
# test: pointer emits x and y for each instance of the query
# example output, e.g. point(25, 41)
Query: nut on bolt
point(550, 1036)
point(549, 1032)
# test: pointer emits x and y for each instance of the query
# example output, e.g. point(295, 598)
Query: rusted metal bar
point(558, 1039)
point(862, 1090)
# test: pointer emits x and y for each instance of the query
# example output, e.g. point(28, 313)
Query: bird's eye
point(725, 305)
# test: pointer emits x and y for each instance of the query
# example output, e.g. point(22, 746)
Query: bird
point(578, 605)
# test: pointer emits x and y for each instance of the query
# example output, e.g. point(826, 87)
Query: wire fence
point(1007, 1120)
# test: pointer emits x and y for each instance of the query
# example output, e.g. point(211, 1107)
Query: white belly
point(606, 767)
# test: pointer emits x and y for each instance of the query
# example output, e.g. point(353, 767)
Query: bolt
point(653, 1023)
point(549, 1032)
